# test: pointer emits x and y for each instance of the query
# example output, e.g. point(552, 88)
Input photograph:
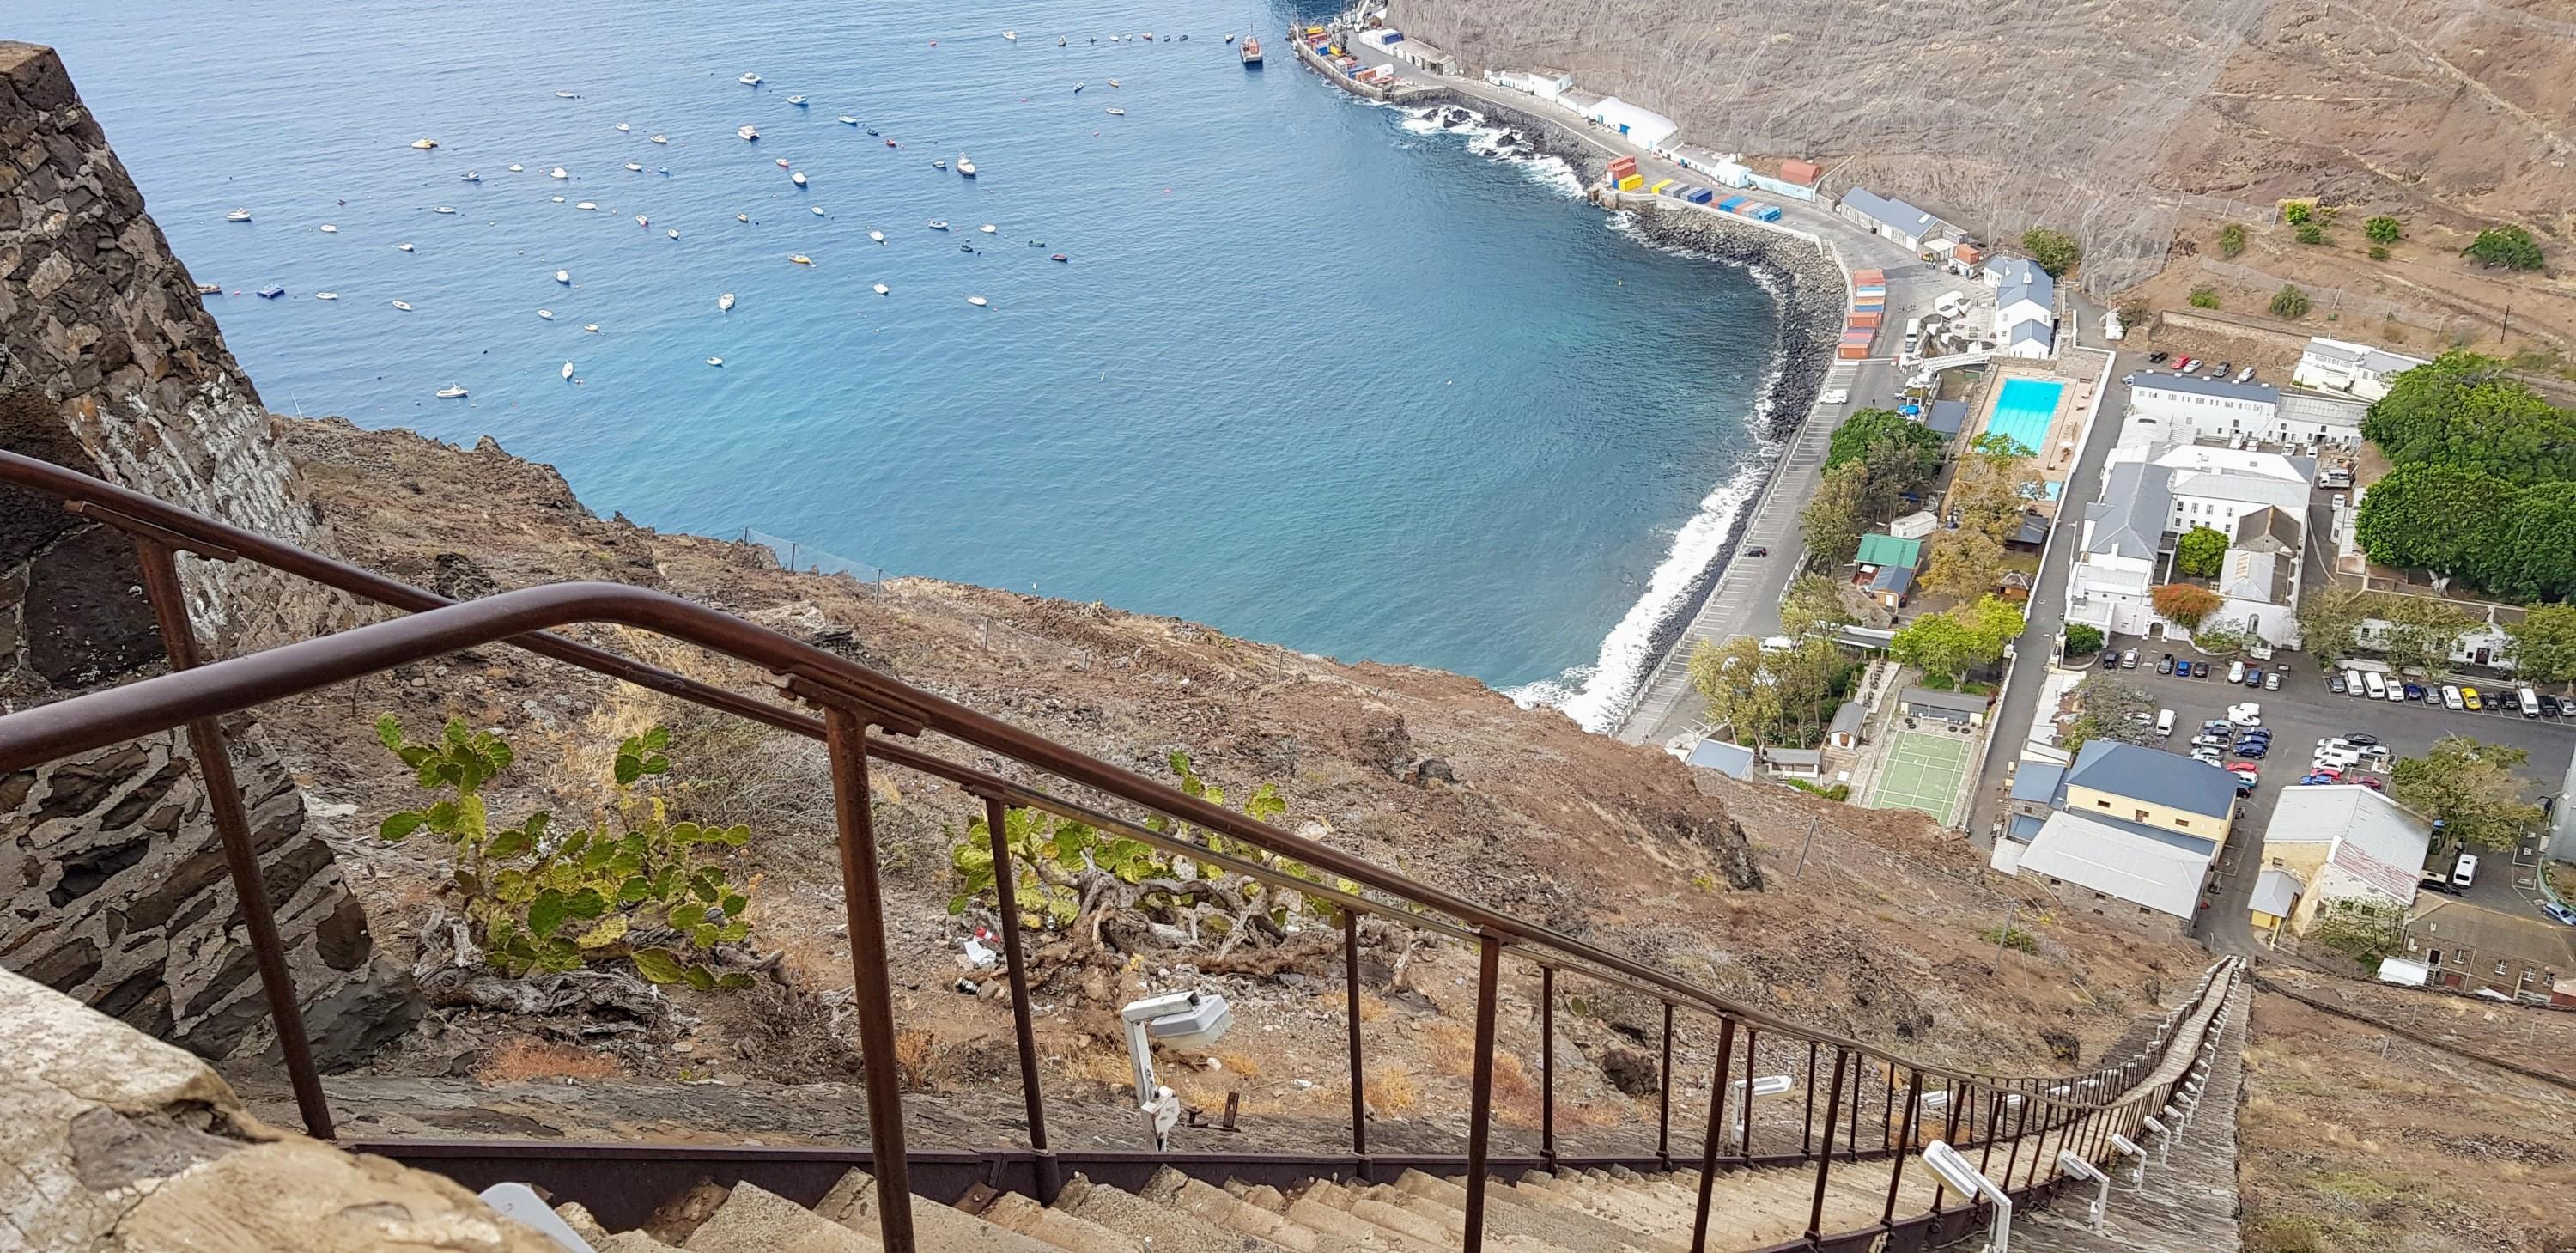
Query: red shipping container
point(1865, 278)
point(1967, 254)
point(1622, 167)
point(1803, 173)
point(1852, 352)
point(1865, 317)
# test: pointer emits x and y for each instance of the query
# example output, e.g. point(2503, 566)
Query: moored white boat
point(558, 172)
point(661, 139)
point(238, 215)
point(403, 305)
point(591, 328)
point(988, 228)
point(817, 211)
point(326, 295)
point(641, 220)
point(622, 128)
point(846, 120)
point(938, 225)
point(878, 236)
point(547, 314)
point(470, 177)
point(880, 289)
point(517, 168)
point(424, 143)
point(404, 247)
point(748, 133)
point(798, 101)
point(329, 229)
point(444, 209)
point(977, 301)
point(674, 232)
point(636, 167)
point(1115, 112)
point(715, 361)
point(588, 206)
point(800, 258)
point(564, 277)
point(797, 177)
point(749, 79)
point(567, 371)
point(724, 303)
point(965, 166)
point(451, 393)
point(1012, 35)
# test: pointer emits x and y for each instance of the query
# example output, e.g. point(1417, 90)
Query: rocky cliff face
point(112, 884)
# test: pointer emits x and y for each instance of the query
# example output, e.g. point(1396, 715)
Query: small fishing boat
point(674, 232)
point(403, 305)
point(588, 206)
point(1148, 36)
point(1115, 112)
point(1113, 82)
point(451, 393)
point(329, 229)
point(874, 131)
point(782, 162)
point(210, 289)
point(750, 134)
point(238, 215)
point(977, 301)
point(623, 128)
point(939, 163)
point(965, 166)
point(1012, 35)
point(547, 314)
point(846, 120)
point(817, 211)
point(404, 247)
point(1229, 39)
point(742, 217)
point(661, 139)
point(715, 361)
point(641, 220)
point(424, 144)
point(635, 167)
point(1059, 257)
point(470, 176)
point(938, 225)
point(989, 229)
point(1251, 51)
point(889, 143)
point(1059, 41)
point(326, 295)
point(558, 172)
point(567, 371)
point(880, 289)
point(798, 101)
point(451, 208)
point(1037, 243)
point(797, 178)
point(517, 168)
point(590, 329)
point(271, 292)
point(724, 303)
point(567, 95)
point(1077, 88)
point(558, 199)
point(800, 258)
point(965, 247)
point(749, 79)
point(564, 277)
point(878, 236)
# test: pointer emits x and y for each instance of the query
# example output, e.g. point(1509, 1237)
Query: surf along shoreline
point(1811, 288)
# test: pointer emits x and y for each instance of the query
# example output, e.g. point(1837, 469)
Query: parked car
point(2110, 659)
point(2549, 706)
point(2210, 755)
point(2129, 659)
point(2469, 699)
point(2253, 752)
point(2206, 740)
point(2329, 773)
point(2165, 664)
point(2235, 672)
point(2451, 698)
point(2254, 676)
point(2157, 358)
point(2371, 783)
point(2200, 669)
point(2184, 366)
point(2308, 780)
point(2334, 684)
point(2220, 370)
point(2245, 375)
point(2272, 681)
point(2558, 912)
point(1757, 552)
point(2359, 739)
point(2414, 692)
point(2248, 714)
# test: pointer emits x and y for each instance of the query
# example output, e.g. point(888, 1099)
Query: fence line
point(2339, 301)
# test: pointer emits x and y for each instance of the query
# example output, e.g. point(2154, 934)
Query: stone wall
point(113, 887)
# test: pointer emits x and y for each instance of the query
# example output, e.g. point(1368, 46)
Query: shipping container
point(1622, 167)
point(1728, 205)
point(1746, 208)
point(1699, 195)
point(1661, 184)
point(1869, 276)
point(1803, 173)
point(1865, 317)
point(1879, 288)
point(1769, 213)
point(1631, 182)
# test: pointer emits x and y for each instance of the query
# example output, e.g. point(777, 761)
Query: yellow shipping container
point(1632, 182)
point(1660, 185)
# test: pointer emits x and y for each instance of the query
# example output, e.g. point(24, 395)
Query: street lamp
point(2121, 1145)
point(1184, 1019)
point(2078, 1168)
point(1969, 1181)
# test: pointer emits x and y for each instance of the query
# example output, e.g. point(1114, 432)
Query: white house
point(1421, 55)
point(1546, 84)
point(2214, 487)
point(1641, 125)
point(2191, 407)
point(2347, 843)
point(1893, 219)
point(2257, 499)
point(2355, 369)
point(2025, 307)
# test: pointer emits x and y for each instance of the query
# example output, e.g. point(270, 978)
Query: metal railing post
point(1994, 1114)
point(1359, 1071)
point(872, 985)
point(1825, 1159)
point(1887, 1110)
point(1480, 1102)
point(1752, 1045)
point(1851, 1139)
point(1006, 883)
point(1896, 1164)
point(232, 831)
point(1807, 1127)
point(1664, 1097)
point(1716, 1134)
point(1547, 1065)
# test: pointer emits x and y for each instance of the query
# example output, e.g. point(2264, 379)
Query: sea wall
point(113, 886)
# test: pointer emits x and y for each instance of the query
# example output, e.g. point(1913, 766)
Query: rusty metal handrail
point(855, 699)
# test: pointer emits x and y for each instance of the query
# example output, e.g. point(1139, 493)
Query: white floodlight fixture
point(1938, 1098)
point(1968, 1181)
point(2077, 1168)
point(2061, 1089)
point(1185, 1019)
point(1763, 1085)
point(2138, 1173)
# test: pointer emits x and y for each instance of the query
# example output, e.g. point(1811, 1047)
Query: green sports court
point(1922, 771)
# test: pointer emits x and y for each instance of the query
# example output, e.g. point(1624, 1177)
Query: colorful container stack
point(1869, 309)
point(1621, 170)
point(1766, 213)
point(1730, 204)
point(1662, 183)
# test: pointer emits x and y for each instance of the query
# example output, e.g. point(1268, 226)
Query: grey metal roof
point(2350, 355)
point(1897, 579)
point(2034, 530)
point(1896, 213)
point(2194, 385)
point(2267, 530)
point(1848, 717)
point(1794, 756)
point(2130, 518)
point(1720, 756)
point(1947, 416)
point(2037, 782)
point(1931, 699)
point(2024, 828)
point(2323, 410)
point(2082, 850)
point(2168, 779)
point(2029, 333)
point(2275, 890)
point(2019, 279)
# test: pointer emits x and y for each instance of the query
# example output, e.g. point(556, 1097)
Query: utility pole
point(2005, 936)
point(1801, 871)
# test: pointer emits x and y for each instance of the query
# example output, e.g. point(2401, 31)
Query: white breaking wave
point(1486, 139)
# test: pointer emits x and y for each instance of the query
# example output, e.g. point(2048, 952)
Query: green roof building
point(1887, 550)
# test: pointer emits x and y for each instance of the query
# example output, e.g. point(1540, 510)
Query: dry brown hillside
point(1878, 935)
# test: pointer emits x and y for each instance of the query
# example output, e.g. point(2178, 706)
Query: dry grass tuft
point(522, 1058)
point(916, 1060)
point(1391, 1089)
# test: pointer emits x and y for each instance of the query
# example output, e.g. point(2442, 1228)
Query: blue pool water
point(2023, 411)
point(1317, 372)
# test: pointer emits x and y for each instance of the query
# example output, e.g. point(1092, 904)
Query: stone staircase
point(2187, 1205)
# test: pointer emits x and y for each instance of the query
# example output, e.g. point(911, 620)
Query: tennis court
point(1922, 771)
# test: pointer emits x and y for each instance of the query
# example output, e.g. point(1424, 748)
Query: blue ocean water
point(1317, 372)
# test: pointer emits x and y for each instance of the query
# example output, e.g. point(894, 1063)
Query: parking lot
point(2305, 711)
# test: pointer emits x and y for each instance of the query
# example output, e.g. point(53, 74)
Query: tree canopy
point(2054, 250)
point(1813, 605)
point(2463, 410)
point(2104, 706)
point(2437, 517)
point(2470, 787)
point(2200, 551)
point(1871, 428)
point(2510, 247)
point(2184, 604)
point(1961, 639)
point(2544, 644)
point(1770, 695)
point(1834, 518)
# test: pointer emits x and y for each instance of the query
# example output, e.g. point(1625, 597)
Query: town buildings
point(2152, 494)
point(2359, 370)
point(2339, 847)
point(2125, 832)
point(2025, 307)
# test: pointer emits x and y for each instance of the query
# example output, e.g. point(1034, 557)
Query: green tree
point(2200, 551)
point(633, 888)
point(2544, 644)
point(1964, 563)
point(1870, 428)
point(2383, 229)
point(2106, 708)
point(1996, 621)
point(2184, 604)
point(2054, 250)
point(2299, 212)
point(2535, 558)
point(1742, 698)
point(1833, 519)
point(2421, 631)
point(2508, 247)
point(1993, 486)
point(2470, 787)
point(2435, 517)
point(2204, 297)
point(2365, 931)
point(1966, 637)
point(2231, 240)
point(2330, 621)
point(2463, 410)
point(2290, 302)
point(1813, 605)
point(2083, 639)
point(2310, 233)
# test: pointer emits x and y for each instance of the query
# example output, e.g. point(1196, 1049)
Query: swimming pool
point(2024, 410)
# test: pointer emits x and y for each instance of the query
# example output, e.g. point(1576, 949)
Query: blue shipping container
point(1699, 195)
point(1730, 202)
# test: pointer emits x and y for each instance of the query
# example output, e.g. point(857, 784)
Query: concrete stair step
point(755, 1221)
point(936, 1228)
point(1504, 1211)
point(1058, 1229)
point(1217, 1206)
point(1171, 1230)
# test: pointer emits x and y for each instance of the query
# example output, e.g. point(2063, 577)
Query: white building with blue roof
point(2025, 307)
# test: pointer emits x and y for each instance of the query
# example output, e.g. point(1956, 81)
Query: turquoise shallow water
point(1312, 375)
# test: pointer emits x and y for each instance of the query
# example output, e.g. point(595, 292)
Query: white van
point(2164, 721)
point(2530, 702)
point(2451, 698)
point(2465, 871)
point(2378, 686)
point(2352, 684)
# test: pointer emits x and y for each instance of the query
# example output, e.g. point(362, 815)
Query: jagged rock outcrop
point(113, 886)
point(116, 1143)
